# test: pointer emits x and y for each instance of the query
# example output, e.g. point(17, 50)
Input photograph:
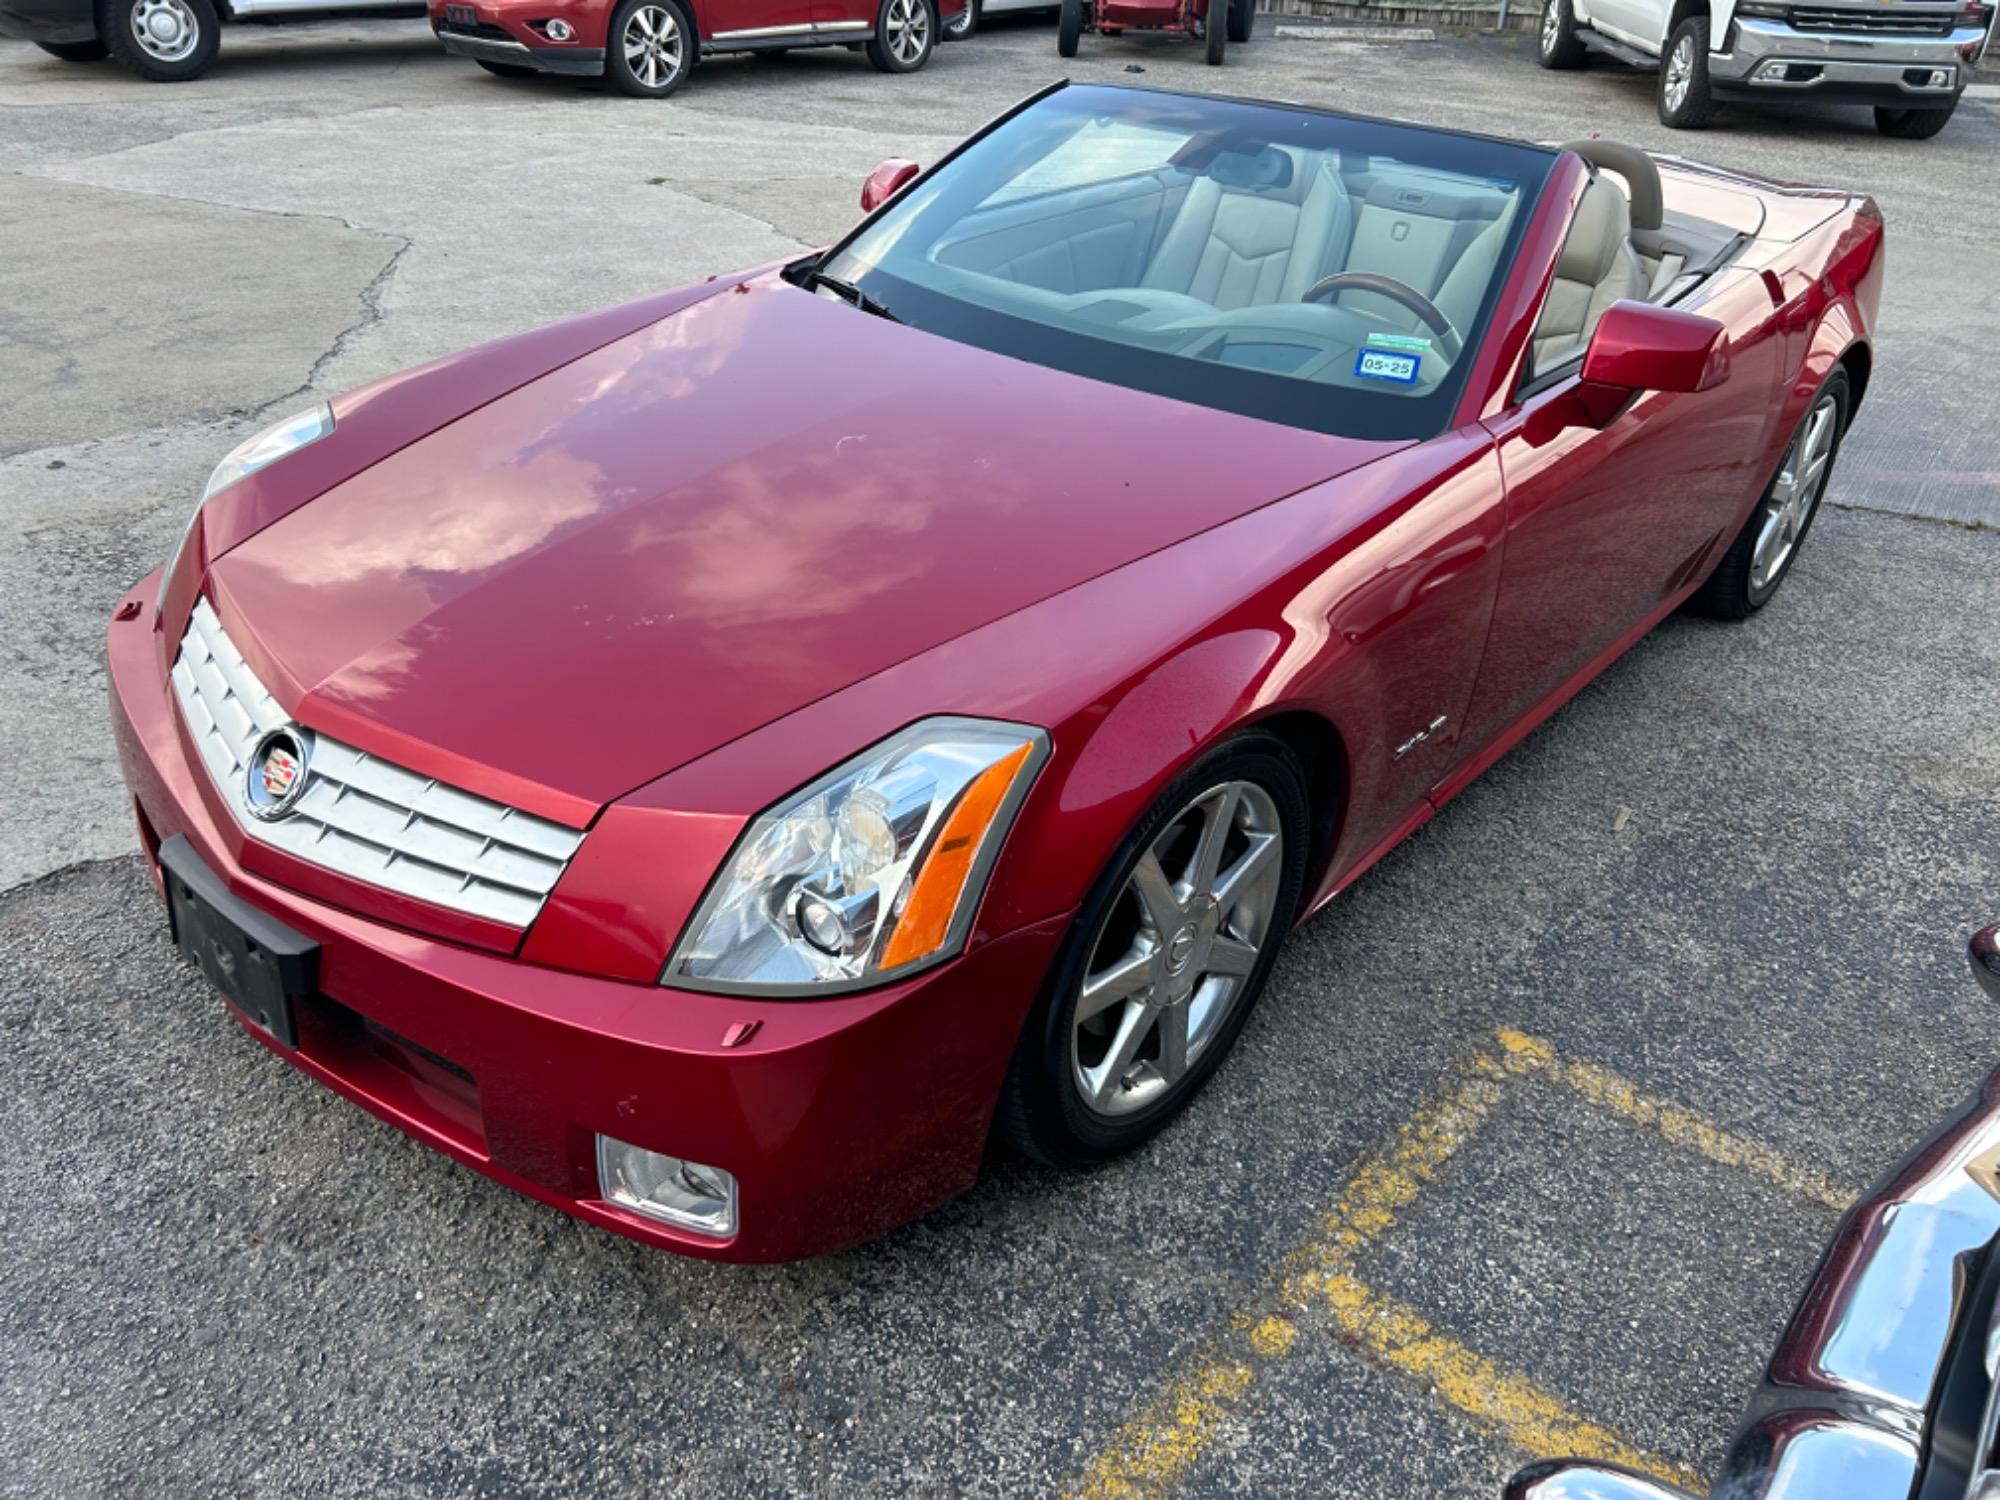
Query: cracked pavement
point(1737, 869)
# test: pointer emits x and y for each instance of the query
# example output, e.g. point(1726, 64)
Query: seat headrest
point(1600, 230)
point(1269, 168)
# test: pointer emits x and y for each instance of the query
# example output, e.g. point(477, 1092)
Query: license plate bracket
point(260, 966)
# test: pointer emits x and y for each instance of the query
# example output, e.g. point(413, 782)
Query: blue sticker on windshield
point(1382, 364)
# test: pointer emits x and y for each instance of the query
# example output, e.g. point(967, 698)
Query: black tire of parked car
point(883, 48)
point(1696, 106)
point(1560, 46)
point(1913, 124)
point(1216, 35)
point(90, 51)
point(117, 21)
point(1069, 27)
point(506, 70)
point(965, 23)
point(1729, 593)
point(1039, 1113)
point(619, 69)
point(1242, 20)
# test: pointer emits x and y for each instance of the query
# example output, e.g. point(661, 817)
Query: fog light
point(675, 1191)
point(559, 31)
point(1940, 79)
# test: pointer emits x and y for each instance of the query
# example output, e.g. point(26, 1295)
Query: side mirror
point(1639, 347)
point(884, 182)
point(1986, 960)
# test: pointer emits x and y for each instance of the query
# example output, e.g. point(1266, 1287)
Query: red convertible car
point(686, 765)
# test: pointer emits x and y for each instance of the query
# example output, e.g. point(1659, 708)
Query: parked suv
point(1909, 60)
point(168, 41)
point(647, 48)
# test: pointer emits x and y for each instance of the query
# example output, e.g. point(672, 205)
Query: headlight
point(873, 871)
point(254, 453)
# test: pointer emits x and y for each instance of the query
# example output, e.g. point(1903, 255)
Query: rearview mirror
point(1986, 960)
point(884, 181)
point(1639, 347)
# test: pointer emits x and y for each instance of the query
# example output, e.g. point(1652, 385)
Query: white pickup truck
point(1908, 58)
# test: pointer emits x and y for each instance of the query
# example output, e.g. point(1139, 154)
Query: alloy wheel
point(653, 44)
point(1551, 25)
point(909, 26)
point(1177, 948)
point(166, 29)
point(1794, 493)
point(1680, 72)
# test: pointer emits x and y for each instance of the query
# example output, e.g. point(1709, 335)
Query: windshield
point(1319, 270)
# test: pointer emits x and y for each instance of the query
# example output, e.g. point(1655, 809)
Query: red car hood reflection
point(705, 525)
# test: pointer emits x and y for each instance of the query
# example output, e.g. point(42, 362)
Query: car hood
point(707, 524)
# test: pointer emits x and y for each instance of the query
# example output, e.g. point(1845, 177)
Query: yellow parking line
point(1152, 1454)
point(1514, 1406)
point(1316, 1285)
point(1159, 1448)
point(1683, 1127)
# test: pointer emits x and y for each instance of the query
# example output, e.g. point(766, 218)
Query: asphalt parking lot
point(1530, 1146)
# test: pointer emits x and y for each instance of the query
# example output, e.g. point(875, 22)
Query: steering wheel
point(1449, 343)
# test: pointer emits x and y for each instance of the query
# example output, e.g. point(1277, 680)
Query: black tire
point(1216, 37)
point(965, 24)
point(1733, 590)
point(1242, 20)
point(667, 30)
point(906, 33)
point(1040, 1112)
point(506, 70)
point(1069, 27)
point(1913, 124)
point(188, 55)
point(90, 51)
point(1695, 105)
point(1559, 46)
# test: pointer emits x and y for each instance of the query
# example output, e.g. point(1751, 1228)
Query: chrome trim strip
point(752, 33)
point(810, 28)
point(359, 815)
point(453, 40)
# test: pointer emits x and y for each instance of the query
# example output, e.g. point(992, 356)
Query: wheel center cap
point(1181, 948)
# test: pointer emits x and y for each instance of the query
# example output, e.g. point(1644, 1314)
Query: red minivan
point(646, 48)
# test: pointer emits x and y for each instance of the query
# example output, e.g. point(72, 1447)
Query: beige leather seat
point(1233, 246)
point(1597, 267)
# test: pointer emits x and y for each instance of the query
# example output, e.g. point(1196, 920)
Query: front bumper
point(48, 20)
point(1881, 1387)
point(580, 62)
point(1767, 58)
point(840, 1118)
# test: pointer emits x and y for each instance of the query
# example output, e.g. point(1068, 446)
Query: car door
point(1641, 22)
point(834, 17)
point(1606, 526)
point(755, 21)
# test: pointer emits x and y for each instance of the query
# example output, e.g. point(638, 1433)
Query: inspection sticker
point(1380, 364)
point(1407, 343)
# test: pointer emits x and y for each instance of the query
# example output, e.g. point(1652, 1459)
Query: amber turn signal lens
point(927, 914)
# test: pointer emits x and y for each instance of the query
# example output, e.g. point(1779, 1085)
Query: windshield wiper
point(848, 291)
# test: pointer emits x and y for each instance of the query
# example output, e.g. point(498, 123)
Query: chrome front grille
point(362, 816)
point(1874, 22)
